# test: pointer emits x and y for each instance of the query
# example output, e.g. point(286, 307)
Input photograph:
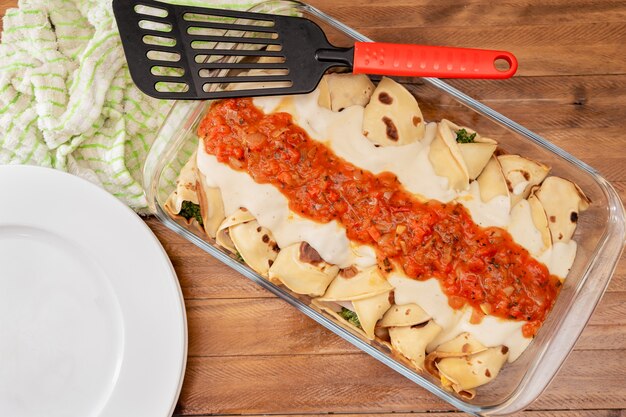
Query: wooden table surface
point(252, 354)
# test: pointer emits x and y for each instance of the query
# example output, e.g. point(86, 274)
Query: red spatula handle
point(430, 61)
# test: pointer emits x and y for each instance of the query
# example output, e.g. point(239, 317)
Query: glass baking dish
point(600, 231)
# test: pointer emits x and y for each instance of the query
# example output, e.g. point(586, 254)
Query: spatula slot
point(171, 87)
point(228, 49)
point(224, 16)
point(248, 79)
point(150, 11)
point(201, 42)
point(269, 66)
point(206, 58)
point(159, 40)
point(264, 27)
point(247, 56)
point(238, 52)
point(160, 70)
point(241, 87)
point(152, 25)
point(201, 59)
point(211, 31)
point(163, 56)
point(210, 72)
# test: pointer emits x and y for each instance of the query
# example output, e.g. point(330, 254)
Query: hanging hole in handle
point(502, 63)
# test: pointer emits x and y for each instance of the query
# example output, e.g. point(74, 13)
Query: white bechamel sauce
point(495, 212)
point(519, 188)
point(341, 131)
point(559, 258)
point(523, 229)
point(269, 104)
point(492, 331)
point(364, 255)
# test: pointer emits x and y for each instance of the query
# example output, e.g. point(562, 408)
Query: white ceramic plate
point(92, 320)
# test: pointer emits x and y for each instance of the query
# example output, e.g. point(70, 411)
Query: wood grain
point(354, 383)
point(224, 321)
point(252, 354)
point(426, 13)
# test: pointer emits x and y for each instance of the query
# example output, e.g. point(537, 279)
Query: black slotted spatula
point(184, 52)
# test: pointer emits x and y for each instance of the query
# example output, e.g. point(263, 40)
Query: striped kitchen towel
point(67, 100)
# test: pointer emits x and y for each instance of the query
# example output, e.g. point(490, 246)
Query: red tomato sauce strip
point(482, 267)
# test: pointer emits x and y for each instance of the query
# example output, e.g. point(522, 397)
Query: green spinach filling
point(190, 210)
point(350, 316)
point(463, 136)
